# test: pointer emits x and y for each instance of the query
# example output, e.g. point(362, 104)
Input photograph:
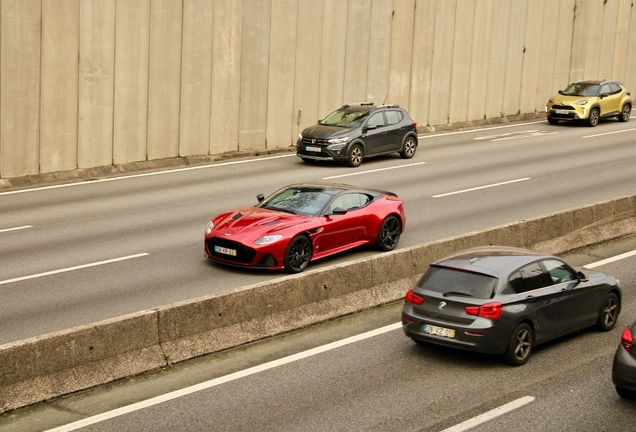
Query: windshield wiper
point(457, 293)
point(282, 209)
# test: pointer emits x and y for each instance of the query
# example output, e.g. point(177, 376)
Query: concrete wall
point(43, 367)
point(100, 82)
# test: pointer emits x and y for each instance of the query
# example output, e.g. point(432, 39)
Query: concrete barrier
point(47, 366)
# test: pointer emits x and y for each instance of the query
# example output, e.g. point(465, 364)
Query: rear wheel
point(608, 314)
point(389, 234)
point(520, 346)
point(409, 148)
point(625, 113)
point(625, 393)
point(592, 120)
point(298, 254)
point(355, 156)
point(553, 121)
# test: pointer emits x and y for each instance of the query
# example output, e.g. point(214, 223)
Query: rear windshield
point(458, 282)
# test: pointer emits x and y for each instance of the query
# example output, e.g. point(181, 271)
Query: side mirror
point(560, 92)
point(260, 197)
point(582, 277)
point(339, 211)
point(604, 95)
point(370, 127)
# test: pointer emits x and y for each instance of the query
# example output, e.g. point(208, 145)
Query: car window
point(581, 89)
point(605, 88)
point(559, 272)
point(449, 281)
point(614, 88)
point(344, 118)
point(350, 201)
point(376, 119)
point(529, 278)
point(298, 200)
point(393, 117)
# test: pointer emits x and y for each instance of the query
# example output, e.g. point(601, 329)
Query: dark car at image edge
point(358, 131)
point(503, 300)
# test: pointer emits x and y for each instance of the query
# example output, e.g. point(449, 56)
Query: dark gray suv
point(357, 131)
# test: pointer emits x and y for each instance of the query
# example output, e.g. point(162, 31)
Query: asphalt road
point(89, 251)
point(384, 382)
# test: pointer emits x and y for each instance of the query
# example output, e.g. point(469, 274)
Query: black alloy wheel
point(625, 112)
point(389, 234)
point(592, 120)
point(608, 314)
point(355, 156)
point(298, 254)
point(409, 148)
point(520, 346)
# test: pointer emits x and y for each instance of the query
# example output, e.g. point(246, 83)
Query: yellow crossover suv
point(588, 101)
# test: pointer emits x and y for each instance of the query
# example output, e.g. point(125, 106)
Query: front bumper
point(264, 258)
point(319, 151)
point(567, 112)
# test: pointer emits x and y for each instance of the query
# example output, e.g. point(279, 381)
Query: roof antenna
point(384, 101)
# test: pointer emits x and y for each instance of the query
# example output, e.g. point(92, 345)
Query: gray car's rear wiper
point(457, 293)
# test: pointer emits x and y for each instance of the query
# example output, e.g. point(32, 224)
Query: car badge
point(441, 305)
point(313, 141)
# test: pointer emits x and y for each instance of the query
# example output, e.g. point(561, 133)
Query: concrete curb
point(44, 367)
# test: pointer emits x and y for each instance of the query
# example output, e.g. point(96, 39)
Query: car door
point(375, 134)
point(341, 230)
point(539, 296)
point(576, 298)
point(395, 130)
point(609, 103)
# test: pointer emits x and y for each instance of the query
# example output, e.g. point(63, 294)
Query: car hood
point(256, 221)
point(563, 99)
point(326, 132)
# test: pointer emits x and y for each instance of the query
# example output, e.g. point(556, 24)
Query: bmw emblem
point(441, 305)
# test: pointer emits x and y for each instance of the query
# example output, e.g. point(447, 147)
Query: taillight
point(411, 297)
point(488, 310)
point(626, 339)
point(415, 124)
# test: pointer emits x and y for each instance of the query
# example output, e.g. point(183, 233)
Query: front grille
point(314, 141)
point(244, 254)
point(563, 107)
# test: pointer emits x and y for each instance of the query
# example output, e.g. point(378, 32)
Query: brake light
point(415, 124)
point(488, 310)
point(411, 297)
point(626, 339)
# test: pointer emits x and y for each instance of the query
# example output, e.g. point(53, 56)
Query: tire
point(408, 148)
point(592, 120)
point(389, 234)
point(354, 159)
point(608, 314)
point(625, 393)
point(306, 160)
point(520, 346)
point(298, 254)
point(553, 121)
point(625, 113)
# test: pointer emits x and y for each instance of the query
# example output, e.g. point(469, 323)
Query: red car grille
point(244, 254)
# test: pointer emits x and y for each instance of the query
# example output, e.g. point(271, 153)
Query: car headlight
point(338, 140)
point(581, 102)
point(209, 228)
point(300, 136)
point(268, 239)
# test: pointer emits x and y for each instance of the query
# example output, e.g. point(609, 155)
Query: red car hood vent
point(258, 221)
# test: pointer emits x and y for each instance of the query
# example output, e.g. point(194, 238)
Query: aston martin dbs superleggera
point(305, 222)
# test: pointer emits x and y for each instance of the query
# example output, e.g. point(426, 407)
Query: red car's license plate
point(225, 251)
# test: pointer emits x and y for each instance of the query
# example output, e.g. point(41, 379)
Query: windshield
point(345, 118)
point(307, 201)
point(581, 89)
point(458, 282)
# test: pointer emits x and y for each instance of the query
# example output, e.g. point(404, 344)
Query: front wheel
point(608, 314)
point(409, 148)
point(355, 156)
point(592, 120)
point(389, 234)
point(298, 254)
point(520, 346)
point(625, 113)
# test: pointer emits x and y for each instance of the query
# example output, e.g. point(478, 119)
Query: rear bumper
point(624, 369)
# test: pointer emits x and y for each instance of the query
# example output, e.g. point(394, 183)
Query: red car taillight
point(488, 310)
point(411, 297)
point(626, 339)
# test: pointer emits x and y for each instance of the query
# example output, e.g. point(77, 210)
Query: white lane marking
point(481, 187)
point(492, 414)
point(608, 133)
point(610, 259)
point(372, 171)
point(435, 135)
point(224, 379)
point(68, 269)
point(86, 182)
point(515, 135)
point(15, 229)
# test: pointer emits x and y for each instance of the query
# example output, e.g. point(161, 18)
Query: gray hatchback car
point(503, 300)
point(624, 366)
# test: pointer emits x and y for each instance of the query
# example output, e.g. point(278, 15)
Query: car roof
point(497, 261)
point(597, 82)
point(365, 106)
point(335, 188)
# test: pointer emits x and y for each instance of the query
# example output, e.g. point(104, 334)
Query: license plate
point(225, 251)
point(562, 111)
point(439, 331)
point(313, 149)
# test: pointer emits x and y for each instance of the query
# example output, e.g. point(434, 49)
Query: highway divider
point(63, 362)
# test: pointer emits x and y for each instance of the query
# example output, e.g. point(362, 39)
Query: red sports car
point(305, 222)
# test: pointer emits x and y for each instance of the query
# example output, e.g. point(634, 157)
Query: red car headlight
point(268, 239)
